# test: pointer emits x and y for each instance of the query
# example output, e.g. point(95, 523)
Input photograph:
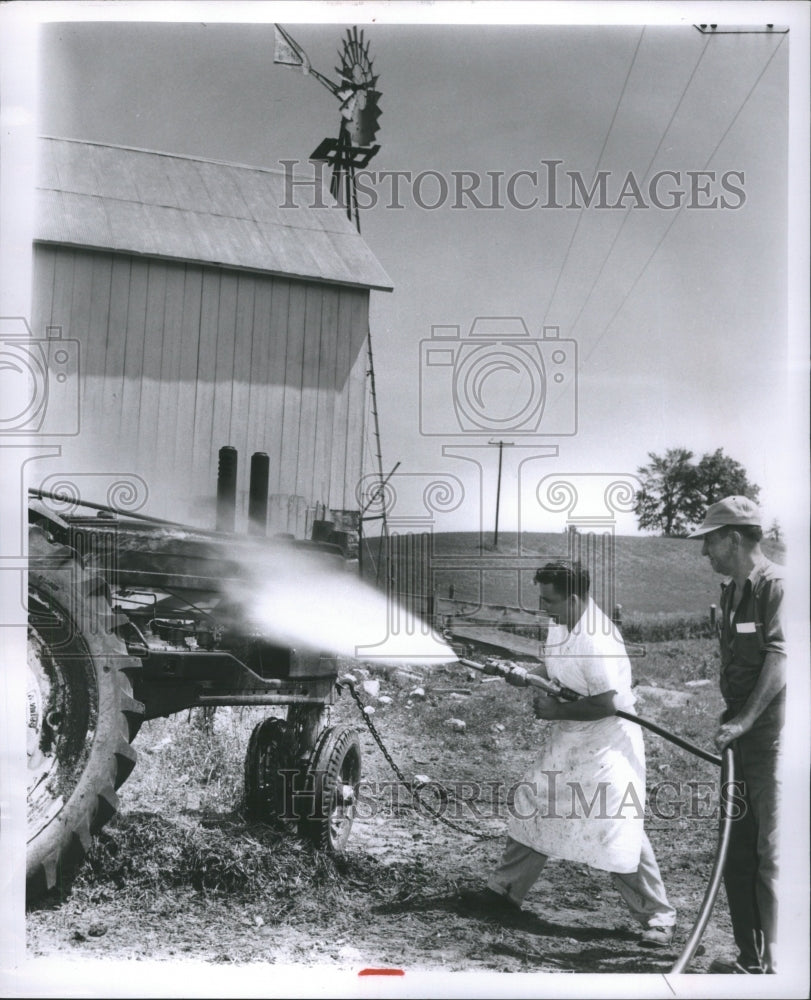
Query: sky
point(674, 320)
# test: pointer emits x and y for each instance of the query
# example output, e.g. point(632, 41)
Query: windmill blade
point(364, 122)
point(353, 47)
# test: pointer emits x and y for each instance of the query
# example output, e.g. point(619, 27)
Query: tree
point(676, 491)
point(775, 532)
point(721, 476)
point(670, 499)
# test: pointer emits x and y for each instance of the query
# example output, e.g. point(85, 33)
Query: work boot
point(657, 937)
point(489, 901)
point(725, 968)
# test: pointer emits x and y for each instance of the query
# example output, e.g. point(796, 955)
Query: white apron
point(584, 797)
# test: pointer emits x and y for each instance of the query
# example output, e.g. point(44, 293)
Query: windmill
point(359, 104)
point(353, 149)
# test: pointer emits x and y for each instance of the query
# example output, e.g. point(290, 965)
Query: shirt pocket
point(748, 644)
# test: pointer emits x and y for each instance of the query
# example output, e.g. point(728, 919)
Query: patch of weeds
point(664, 627)
point(192, 761)
point(673, 663)
point(148, 855)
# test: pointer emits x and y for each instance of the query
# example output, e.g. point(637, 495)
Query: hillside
point(651, 575)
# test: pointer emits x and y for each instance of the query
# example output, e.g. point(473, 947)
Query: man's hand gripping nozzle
point(518, 676)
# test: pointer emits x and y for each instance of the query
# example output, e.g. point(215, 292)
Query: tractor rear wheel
point(334, 778)
point(81, 714)
point(267, 756)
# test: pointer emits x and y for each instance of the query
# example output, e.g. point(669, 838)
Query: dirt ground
point(179, 874)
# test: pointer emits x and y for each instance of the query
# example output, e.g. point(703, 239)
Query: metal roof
point(141, 202)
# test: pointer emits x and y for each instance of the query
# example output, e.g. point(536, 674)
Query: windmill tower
point(353, 149)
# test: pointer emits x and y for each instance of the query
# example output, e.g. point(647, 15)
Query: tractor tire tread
point(56, 571)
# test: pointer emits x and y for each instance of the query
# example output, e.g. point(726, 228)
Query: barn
point(201, 314)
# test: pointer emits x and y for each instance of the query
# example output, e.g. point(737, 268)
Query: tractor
point(133, 618)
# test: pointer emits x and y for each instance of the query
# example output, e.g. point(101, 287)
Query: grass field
point(649, 576)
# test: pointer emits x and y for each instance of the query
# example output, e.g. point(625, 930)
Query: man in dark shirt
point(753, 655)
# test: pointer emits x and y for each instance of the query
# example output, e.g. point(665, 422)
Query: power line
point(647, 171)
point(678, 210)
point(599, 160)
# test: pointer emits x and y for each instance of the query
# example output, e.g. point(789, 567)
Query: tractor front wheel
point(267, 790)
point(334, 778)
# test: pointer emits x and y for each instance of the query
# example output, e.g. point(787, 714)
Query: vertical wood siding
point(178, 360)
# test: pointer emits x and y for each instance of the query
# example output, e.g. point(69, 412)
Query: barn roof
point(160, 205)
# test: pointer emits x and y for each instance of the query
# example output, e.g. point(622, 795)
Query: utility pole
point(498, 485)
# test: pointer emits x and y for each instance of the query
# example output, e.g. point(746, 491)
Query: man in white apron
point(584, 797)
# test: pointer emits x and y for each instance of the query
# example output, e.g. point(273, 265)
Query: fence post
point(713, 614)
point(616, 618)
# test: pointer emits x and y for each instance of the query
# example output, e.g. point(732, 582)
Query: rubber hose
point(690, 747)
point(727, 778)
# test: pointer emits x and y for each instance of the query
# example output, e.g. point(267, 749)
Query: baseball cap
point(731, 510)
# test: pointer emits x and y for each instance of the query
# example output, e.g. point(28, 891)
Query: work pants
point(642, 890)
point(750, 872)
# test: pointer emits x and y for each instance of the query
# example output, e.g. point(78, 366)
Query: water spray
point(308, 599)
